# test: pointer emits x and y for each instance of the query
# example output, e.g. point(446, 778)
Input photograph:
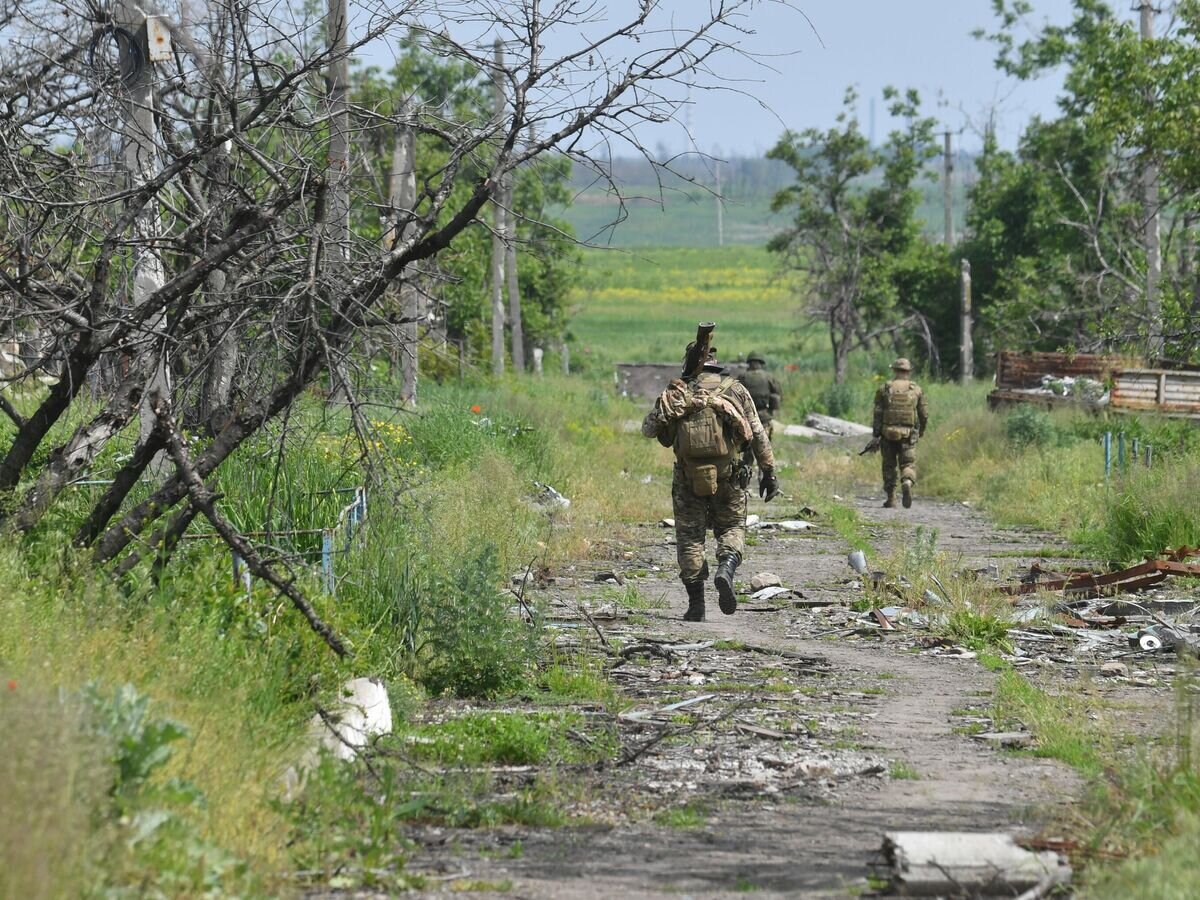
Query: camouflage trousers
point(902, 454)
point(724, 512)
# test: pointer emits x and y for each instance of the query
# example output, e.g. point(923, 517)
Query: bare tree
point(265, 290)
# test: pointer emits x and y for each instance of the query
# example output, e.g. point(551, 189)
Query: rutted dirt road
point(808, 744)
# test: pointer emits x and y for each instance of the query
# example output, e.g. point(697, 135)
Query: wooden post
point(948, 189)
point(1152, 240)
point(402, 197)
point(498, 227)
point(966, 343)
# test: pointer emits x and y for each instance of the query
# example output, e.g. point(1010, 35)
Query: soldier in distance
point(764, 389)
point(901, 417)
point(707, 418)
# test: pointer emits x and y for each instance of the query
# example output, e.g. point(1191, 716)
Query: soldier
point(708, 418)
point(764, 389)
point(901, 417)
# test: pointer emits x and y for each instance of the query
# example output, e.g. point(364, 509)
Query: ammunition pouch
point(703, 480)
point(896, 432)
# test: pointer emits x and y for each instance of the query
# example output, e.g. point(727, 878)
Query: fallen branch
point(205, 500)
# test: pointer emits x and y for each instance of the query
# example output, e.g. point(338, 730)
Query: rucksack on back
point(702, 443)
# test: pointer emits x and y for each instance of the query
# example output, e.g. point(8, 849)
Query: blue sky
point(816, 49)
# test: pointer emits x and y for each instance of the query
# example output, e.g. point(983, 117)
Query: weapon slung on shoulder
point(698, 353)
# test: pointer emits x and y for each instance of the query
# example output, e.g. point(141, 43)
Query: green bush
point(1148, 512)
point(838, 399)
point(1027, 426)
point(475, 645)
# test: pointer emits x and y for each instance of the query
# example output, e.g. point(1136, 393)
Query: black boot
point(906, 492)
point(695, 610)
point(726, 566)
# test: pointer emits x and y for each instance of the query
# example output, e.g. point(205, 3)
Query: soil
point(814, 737)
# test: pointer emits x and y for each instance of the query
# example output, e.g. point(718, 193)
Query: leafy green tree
point(853, 224)
point(1059, 237)
point(457, 284)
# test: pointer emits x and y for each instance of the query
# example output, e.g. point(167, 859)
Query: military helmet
point(902, 365)
point(756, 357)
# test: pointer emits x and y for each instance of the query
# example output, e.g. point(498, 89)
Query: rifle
point(698, 351)
point(872, 447)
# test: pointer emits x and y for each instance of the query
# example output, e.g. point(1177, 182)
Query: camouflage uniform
point(725, 511)
point(901, 417)
point(764, 390)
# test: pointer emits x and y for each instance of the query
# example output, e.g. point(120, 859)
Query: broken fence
point(335, 540)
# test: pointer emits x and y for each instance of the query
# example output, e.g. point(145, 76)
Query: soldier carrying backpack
point(708, 418)
point(900, 420)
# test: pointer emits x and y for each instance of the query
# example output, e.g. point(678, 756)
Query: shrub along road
point(807, 736)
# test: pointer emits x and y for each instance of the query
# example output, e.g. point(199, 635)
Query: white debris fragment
point(360, 713)
point(768, 593)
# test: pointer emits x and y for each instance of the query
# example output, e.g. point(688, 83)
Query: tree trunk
point(510, 275)
point(498, 228)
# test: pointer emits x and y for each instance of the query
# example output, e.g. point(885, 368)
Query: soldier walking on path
point(764, 389)
point(707, 418)
point(901, 417)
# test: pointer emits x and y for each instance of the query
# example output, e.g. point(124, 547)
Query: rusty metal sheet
point(1024, 369)
point(1089, 584)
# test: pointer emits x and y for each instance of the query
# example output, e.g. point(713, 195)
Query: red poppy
point(791, 367)
point(12, 684)
point(477, 408)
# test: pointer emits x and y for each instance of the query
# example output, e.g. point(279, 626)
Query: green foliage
point(1060, 723)
point(503, 738)
point(1028, 426)
point(848, 239)
point(978, 630)
point(838, 399)
point(694, 814)
point(1147, 513)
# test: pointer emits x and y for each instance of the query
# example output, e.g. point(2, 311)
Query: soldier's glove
point(768, 485)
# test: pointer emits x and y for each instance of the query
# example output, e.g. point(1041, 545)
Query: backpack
point(702, 441)
point(900, 409)
point(758, 383)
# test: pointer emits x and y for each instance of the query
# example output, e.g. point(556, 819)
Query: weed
point(978, 630)
point(691, 815)
point(581, 679)
point(1060, 723)
point(902, 771)
point(743, 885)
point(503, 738)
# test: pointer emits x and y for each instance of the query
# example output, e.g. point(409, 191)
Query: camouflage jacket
point(657, 425)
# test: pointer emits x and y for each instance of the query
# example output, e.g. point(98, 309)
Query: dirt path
point(827, 740)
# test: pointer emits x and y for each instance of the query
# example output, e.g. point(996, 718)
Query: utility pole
point(141, 161)
point(1152, 241)
point(966, 345)
point(402, 197)
point(498, 227)
point(720, 209)
point(948, 188)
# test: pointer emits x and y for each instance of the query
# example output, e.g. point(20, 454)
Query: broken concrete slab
point(956, 863)
point(840, 427)
point(804, 431)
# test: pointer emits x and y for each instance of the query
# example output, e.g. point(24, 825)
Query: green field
point(643, 305)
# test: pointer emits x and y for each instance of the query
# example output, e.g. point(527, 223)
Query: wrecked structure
point(1096, 383)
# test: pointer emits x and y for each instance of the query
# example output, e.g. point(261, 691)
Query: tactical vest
point(758, 383)
point(702, 442)
point(899, 409)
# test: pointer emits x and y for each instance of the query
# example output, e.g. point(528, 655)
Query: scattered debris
point(958, 863)
point(804, 431)
point(1090, 584)
point(667, 523)
point(752, 520)
point(610, 577)
point(769, 592)
point(1007, 739)
point(765, 580)
point(549, 497)
point(839, 427)
point(858, 562)
point(360, 713)
point(790, 525)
